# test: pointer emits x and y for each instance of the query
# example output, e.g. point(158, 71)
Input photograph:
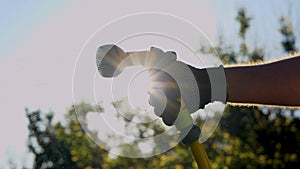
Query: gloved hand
point(178, 86)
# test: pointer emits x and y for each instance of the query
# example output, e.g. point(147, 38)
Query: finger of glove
point(160, 59)
point(171, 112)
point(166, 104)
point(167, 109)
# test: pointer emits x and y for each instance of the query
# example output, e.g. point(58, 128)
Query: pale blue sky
point(20, 18)
point(39, 47)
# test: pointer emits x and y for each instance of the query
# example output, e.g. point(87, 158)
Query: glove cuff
point(218, 84)
point(204, 85)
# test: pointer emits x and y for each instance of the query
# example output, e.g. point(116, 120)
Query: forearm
point(276, 83)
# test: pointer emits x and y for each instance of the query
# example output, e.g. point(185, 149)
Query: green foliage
point(244, 21)
point(179, 157)
point(48, 150)
point(69, 146)
point(289, 40)
point(63, 146)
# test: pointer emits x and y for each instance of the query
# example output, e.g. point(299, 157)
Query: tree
point(63, 146)
point(48, 150)
point(68, 145)
point(289, 40)
point(178, 157)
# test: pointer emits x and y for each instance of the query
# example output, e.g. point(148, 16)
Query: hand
point(166, 96)
point(177, 86)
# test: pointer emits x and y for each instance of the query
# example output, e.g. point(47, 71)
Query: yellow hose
point(196, 147)
point(200, 155)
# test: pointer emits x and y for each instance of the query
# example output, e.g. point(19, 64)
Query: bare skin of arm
point(276, 83)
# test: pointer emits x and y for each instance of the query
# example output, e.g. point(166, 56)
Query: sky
point(40, 42)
